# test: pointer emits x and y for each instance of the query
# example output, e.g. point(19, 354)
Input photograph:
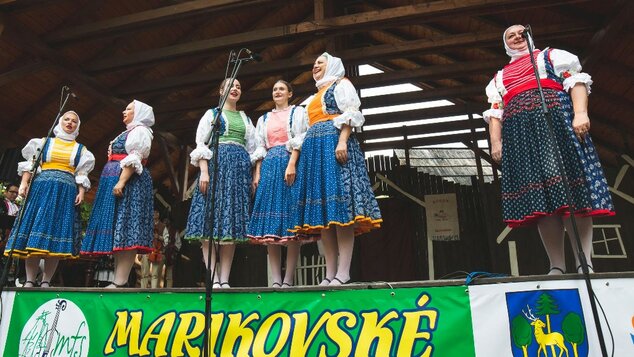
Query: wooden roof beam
point(603, 39)
point(427, 113)
point(410, 130)
point(432, 140)
point(140, 20)
point(396, 16)
point(24, 70)
point(31, 43)
point(352, 56)
point(374, 80)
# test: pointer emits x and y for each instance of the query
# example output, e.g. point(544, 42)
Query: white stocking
point(551, 230)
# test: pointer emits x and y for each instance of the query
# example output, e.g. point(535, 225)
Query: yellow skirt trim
point(30, 253)
point(362, 224)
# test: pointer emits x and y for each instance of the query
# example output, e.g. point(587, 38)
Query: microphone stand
point(580, 254)
point(233, 66)
point(66, 93)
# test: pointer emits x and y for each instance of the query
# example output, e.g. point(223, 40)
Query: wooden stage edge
point(351, 286)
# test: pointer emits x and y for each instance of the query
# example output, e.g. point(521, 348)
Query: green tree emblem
point(522, 333)
point(573, 330)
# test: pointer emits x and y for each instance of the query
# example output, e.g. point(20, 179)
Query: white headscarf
point(143, 115)
point(514, 54)
point(334, 70)
point(59, 130)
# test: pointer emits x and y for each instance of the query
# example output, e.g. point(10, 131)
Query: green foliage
point(546, 305)
point(84, 211)
point(573, 329)
point(521, 332)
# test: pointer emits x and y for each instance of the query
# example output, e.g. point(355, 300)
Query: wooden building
point(172, 54)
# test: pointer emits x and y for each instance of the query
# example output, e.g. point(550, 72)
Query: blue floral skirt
point(124, 223)
point(328, 193)
point(532, 185)
point(50, 224)
point(232, 199)
point(272, 215)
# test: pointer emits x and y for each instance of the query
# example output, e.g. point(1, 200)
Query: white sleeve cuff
point(492, 113)
point(258, 154)
point(353, 118)
point(296, 143)
point(24, 166)
point(201, 152)
point(82, 179)
point(578, 78)
point(133, 160)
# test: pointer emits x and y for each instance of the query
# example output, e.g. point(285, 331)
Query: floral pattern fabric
point(232, 199)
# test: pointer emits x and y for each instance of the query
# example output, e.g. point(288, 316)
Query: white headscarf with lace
point(514, 54)
point(59, 129)
point(143, 115)
point(334, 70)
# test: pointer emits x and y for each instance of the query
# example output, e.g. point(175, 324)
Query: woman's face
point(319, 68)
point(235, 91)
point(70, 121)
point(514, 38)
point(281, 95)
point(128, 114)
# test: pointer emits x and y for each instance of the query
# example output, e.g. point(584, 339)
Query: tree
point(573, 330)
point(521, 333)
point(546, 306)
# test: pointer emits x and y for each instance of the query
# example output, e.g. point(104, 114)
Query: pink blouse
point(276, 127)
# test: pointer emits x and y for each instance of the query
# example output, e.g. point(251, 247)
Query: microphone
point(67, 88)
point(527, 32)
point(253, 55)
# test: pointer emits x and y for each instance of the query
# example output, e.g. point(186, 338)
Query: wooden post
point(475, 152)
point(406, 146)
point(319, 10)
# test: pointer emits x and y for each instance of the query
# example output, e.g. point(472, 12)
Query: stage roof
point(172, 54)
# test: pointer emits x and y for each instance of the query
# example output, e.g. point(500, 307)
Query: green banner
point(378, 322)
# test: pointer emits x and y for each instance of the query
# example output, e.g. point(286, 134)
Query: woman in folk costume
point(532, 185)
point(122, 222)
point(279, 135)
point(50, 228)
point(333, 189)
point(233, 190)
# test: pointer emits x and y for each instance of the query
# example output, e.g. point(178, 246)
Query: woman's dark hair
point(288, 85)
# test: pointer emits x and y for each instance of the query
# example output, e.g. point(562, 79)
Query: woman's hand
point(80, 196)
point(496, 151)
point(23, 190)
point(341, 152)
point(289, 175)
point(203, 182)
point(581, 125)
point(118, 188)
point(256, 181)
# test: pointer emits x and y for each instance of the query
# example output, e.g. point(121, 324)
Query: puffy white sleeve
point(249, 138)
point(85, 166)
point(29, 152)
point(298, 129)
point(260, 141)
point(137, 145)
point(349, 103)
point(203, 133)
point(497, 105)
point(568, 67)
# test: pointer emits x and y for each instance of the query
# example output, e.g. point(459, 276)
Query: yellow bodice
point(61, 155)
